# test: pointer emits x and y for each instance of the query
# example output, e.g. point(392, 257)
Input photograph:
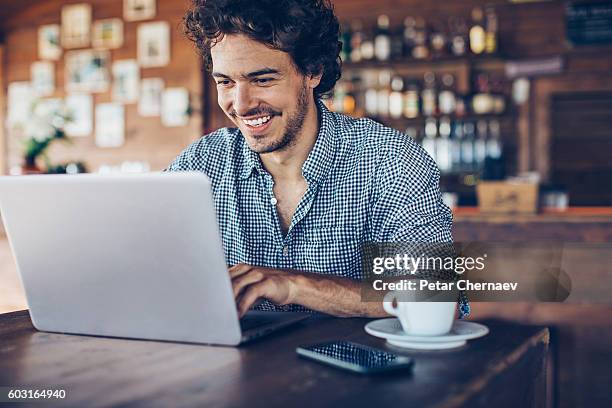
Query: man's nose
point(243, 100)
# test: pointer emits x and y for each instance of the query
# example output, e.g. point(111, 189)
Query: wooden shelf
point(489, 62)
point(461, 68)
point(405, 122)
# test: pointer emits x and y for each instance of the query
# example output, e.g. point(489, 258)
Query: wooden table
point(505, 368)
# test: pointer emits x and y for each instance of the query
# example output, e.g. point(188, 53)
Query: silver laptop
point(136, 256)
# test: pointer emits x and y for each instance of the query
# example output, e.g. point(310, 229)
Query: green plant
point(46, 124)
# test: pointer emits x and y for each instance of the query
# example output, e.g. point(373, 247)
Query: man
point(296, 187)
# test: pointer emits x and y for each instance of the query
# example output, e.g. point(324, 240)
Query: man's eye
point(223, 82)
point(263, 81)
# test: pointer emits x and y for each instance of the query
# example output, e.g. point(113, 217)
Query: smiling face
point(262, 92)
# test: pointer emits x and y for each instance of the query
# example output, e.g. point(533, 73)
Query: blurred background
point(513, 99)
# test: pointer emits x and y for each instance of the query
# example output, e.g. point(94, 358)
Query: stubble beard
point(293, 127)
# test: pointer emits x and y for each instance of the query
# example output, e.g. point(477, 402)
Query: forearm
point(333, 295)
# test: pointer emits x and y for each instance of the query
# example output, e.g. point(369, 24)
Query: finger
point(239, 269)
point(240, 282)
point(250, 296)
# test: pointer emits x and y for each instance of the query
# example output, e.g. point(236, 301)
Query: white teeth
point(257, 122)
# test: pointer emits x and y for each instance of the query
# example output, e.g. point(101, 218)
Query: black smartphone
point(355, 357)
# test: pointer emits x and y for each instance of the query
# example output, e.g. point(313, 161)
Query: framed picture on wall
point(42, 76)
point(175, 107)
point(126, 81)
point(135, 10)
point(80, 109)
point(107, 33)
point(87, 71)
point(149, 103)
point(76, 25)
point(49, 42)
point(153, 44)
point(46, 108)
point(19, 105)
point(110, 125)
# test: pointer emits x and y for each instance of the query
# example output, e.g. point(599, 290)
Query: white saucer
point(427, 346)
point(391, 330)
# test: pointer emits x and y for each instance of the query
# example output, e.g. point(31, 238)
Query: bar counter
point(576, 224)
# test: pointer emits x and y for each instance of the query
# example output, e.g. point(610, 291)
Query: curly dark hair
point(307, 30)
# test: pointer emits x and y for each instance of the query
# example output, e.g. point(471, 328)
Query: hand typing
point(251, 283)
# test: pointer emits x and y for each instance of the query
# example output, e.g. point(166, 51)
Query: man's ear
point(314, 80)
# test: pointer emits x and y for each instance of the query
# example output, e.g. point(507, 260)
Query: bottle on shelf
point(428, 95)
point(356, 40)
point(411, 101)
point(429, 140)
point(494, 144)
point(409, 37)
point(494, 167)
point(371, 93)
point(367, 46)
point(384, 87)
point(480, 144)
point(458, 36)
point(497, 89)
point(460, 106)
point(345, 97)
point(467, 147)
point(446, 98)
point(397, 43)
point(456, 139)
point(491, 31)
point(396, 98)
point(443, 145)
point(345, 38)
point(482, 100)
point(420, 49)
point(437, 40)
point(382, 39)
point(477, 32)
point(489, 97)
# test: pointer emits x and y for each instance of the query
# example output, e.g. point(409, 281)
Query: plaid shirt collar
point(320, 160)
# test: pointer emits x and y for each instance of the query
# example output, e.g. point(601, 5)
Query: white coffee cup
point(420, 318)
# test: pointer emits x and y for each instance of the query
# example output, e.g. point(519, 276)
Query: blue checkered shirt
point(366, 183)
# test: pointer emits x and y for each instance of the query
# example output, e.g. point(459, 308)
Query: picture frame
point(76, 25)
point(153, 48)
point(107, 33)
point(110, 125)
point(87, 71)
point(126, 81)
point(149, 102)
point(175, 107)
point(80, 109)
point(49, 47)
point(137, 10)
point(42, 78)
point(20, 99)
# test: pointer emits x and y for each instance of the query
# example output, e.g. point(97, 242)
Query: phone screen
point(355, 357)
